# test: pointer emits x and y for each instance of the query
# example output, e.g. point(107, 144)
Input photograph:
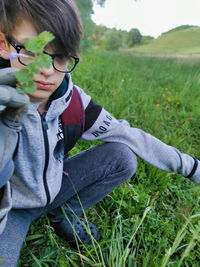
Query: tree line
point(113, 39)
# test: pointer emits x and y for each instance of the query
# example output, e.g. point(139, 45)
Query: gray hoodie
point(39, 157)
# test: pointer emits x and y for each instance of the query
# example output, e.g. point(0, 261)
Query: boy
point(36, 177)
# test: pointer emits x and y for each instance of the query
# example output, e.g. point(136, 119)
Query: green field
point(153, 219)
point(186, 41)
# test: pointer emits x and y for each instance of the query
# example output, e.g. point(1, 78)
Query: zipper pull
point(44, 122)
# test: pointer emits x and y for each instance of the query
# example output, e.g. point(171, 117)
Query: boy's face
point(49, 79)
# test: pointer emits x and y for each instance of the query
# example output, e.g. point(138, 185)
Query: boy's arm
point(100, 125)
point(10, 121)
point(14, 107)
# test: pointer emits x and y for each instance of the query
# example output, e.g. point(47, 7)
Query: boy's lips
point(43, 85)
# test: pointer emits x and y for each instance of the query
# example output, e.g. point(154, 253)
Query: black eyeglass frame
point(18, 47)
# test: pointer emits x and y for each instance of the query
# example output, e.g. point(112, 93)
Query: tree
point(113, 40)
point(133, 37)
point(86, 9)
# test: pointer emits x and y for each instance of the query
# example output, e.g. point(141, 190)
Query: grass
point(153, 219)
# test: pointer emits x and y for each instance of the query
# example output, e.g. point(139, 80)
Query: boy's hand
point(16, 103)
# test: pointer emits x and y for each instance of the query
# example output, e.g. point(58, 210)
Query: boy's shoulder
point(73, 120)
point(74, 113)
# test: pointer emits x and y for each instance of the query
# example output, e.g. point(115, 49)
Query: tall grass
point(153, 219)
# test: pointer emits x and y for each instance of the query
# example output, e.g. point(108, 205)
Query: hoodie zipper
point(46, 145)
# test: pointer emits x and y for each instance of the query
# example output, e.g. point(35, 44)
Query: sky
point(150, 17)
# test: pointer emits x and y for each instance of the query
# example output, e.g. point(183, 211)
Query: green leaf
point(33, 237)
point(37, 44)
point(34, 45)
point(43, 60)
point(28, 87)
point(33, 68)
point(24, 76)
point(46, 37)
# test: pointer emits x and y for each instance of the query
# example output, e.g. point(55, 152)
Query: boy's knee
point(126, 158)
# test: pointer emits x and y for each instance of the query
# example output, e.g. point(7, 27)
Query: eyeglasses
point(61, 63)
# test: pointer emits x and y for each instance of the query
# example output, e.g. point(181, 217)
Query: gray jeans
point(88, 177)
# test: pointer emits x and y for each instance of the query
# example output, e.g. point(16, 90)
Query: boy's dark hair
point(60, 17)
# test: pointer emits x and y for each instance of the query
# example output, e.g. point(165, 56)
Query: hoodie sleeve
point(101, 125)
point(8, 143)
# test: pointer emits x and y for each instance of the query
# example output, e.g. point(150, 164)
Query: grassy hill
point(186, 41)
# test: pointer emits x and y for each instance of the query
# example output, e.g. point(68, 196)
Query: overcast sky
point(151, 17)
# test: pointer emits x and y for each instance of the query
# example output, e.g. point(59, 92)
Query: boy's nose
point(47, 71)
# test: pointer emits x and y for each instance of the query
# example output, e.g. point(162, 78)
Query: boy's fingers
point(8, 95)
point(7, 76)
point(5, 95)
point(11, 98)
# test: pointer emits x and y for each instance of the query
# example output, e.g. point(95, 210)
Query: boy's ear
point(4, 47)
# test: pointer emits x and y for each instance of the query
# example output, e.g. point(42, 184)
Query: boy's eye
point(61, 62)
point(26, 60)
point(61, 59)
point(25, 52)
